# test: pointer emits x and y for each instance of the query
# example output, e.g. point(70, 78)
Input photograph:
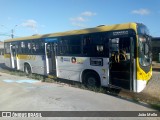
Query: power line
point(4, 35)
point(12, 31)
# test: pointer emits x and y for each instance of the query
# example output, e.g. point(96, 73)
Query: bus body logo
point(73, 59)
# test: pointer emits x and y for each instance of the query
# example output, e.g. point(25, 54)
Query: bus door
point(13, 56)
point(121, 55)
point(50, 54)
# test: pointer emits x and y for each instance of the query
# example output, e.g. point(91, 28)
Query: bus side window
point(100, 48)
point(87, 45)
point(29, 47)
point(7, 47)
point(62, 46)
point(19, 49)
point(14, 50)
point(84, 46)
point(74, 45)
point(99, 45)
point(23, 47)
point(41, 47)
point(95, 45)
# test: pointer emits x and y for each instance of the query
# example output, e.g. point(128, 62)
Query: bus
point(108, 55)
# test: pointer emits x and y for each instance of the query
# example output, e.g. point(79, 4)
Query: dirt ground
point(151, 93)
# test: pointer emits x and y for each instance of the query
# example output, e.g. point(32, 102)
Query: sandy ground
point(151, 93)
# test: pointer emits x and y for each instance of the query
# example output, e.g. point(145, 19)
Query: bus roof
point(156, 39)
point(82, 31)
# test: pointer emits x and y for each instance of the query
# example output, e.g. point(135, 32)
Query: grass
point(155, 106)
point(136, 97)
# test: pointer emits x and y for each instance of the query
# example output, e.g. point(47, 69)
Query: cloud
point(78, 19)
point(82, 19)
point(32, 24)
point(141, 11)
point(88, 13)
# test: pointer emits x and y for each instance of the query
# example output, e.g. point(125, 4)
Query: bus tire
point(91, 79)
point(27, 69)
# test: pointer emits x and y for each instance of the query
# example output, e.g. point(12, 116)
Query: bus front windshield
point(145, 56)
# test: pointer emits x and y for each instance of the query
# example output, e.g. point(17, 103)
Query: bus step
point(120, 79)
point(123, 83)
point(52, 74)
point(114, 86)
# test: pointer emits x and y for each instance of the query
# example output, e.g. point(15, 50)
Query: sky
point(29, 17)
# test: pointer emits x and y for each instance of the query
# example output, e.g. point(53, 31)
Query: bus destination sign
point(118, 33)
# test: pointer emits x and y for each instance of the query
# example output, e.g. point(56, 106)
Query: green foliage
point(155, 106)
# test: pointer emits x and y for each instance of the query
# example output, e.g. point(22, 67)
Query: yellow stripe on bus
point(26, 57)
point(7, 55)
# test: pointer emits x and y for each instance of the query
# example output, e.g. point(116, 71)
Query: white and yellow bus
point(118, 55)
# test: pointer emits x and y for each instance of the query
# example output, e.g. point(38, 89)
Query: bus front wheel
point(91, 79)
point(27, 69)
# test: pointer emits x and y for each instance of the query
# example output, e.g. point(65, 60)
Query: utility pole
point(12, 35)
point(12, 31)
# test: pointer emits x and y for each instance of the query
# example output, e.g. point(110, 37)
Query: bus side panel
point(36, 62)
point(105, 72)
point(7, 60)
point(1, 59)
point(72, 67)
point(67, 69)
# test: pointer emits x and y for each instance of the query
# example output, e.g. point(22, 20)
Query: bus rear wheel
point(27, 69)
point(91, 79)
